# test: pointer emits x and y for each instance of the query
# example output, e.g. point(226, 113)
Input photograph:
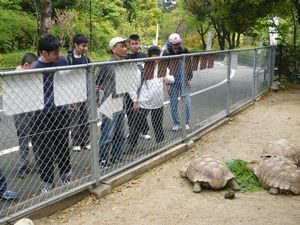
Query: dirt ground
point(161, 197)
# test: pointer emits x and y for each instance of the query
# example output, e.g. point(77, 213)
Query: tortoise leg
point(274, 191)
point(197, 187)
point(234, 185)
point(183, 173)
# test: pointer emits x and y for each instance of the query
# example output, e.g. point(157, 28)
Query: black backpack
point(70, 57)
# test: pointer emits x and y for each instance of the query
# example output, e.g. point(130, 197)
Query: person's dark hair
point(48, 43)
point(29, 58)
point(134, 37)
point(154, 50)
point(79, 39)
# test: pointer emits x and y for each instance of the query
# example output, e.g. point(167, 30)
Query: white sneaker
point(88, 147)
point(176, 128)
point(47, 187)
point(76, 148)
point(145, 136)
point(187, 127)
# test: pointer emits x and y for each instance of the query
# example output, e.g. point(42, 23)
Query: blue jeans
point(3, 185)
point(174, 93)
point(112, 141)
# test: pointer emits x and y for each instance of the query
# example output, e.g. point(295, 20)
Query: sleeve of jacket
point(188, 65)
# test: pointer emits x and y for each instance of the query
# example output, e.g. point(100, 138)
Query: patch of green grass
point(99, 56)
point(244, 176)
point(12, 59)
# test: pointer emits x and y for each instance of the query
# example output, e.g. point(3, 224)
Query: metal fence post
point(228, 103)
point(273, 51)
point(183, 98)
point(93, 122)
point(270, 53)
point(254, 74)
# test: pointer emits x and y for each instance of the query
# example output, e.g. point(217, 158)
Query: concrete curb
point(147, 165)
point(265, 93)
point(238, 111)
point(60, 205)
point(100, 191)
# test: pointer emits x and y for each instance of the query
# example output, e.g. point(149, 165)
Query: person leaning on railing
point(175, 47)
point(132, 107)
point(151, 97)
point(112, 140)
point(51, 124)
point(80, 131)
point(24, 123)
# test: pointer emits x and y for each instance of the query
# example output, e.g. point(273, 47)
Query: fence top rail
point(98, 64)
point(43, 70)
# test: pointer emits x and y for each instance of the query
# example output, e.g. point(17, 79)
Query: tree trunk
point(46, 12)
point(221, 36)
point(228, 39)
point(233, 41)
point(37, 15)
point(294, 28)
point(238, 39)
point(213, 39)
point(297, 6)
point(202, 33)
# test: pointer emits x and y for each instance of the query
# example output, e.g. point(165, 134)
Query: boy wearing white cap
point(112, 138)
point(175, 48)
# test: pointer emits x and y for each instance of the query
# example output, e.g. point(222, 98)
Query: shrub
point(17, 30)
point(290, 66)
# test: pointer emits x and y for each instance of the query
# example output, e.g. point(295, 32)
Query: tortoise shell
point(279, 172)
point(209, 169)
point(283, 148)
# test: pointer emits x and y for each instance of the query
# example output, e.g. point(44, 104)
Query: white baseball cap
point(175, 38)
point(115, 41)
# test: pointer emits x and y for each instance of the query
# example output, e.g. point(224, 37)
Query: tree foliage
point(230, 18)
point(230, 21)
point(16, 35)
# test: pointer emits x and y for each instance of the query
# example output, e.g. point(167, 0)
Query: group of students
point(147, 98)
point(48, 129)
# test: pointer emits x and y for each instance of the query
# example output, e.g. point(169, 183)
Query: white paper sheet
point(70, 86)
point(22, 93)
point(128, 78)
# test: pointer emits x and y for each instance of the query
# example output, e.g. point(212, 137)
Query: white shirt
point(152, 92)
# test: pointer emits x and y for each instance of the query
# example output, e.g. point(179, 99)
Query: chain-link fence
point(64, 129)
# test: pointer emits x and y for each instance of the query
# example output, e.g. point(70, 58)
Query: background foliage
point(232, 23)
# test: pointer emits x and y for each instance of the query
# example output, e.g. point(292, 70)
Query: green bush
point(13, 59)
point(290, 66)
point(17, 30)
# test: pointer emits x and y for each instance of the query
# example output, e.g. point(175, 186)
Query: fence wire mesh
point(242, 68)
point(64, 129)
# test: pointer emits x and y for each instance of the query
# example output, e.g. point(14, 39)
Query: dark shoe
point(115, 161)
point(37, 169)
point(103, 164)
point(66, 181)
point(66, 178)
point(23, 173)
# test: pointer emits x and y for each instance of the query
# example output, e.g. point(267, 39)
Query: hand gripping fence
point(65, 129)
